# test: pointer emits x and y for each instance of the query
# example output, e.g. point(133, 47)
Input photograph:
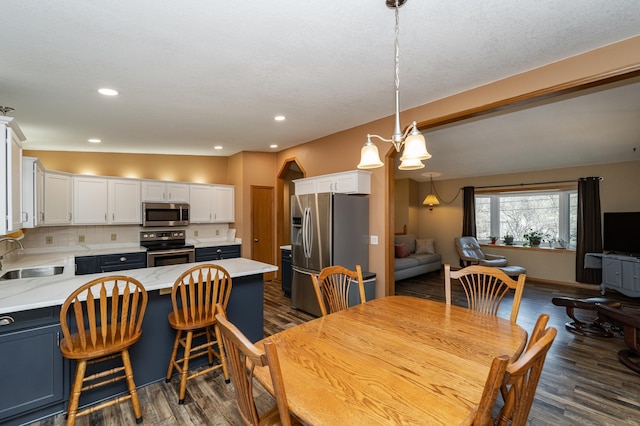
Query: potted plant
point(508, 239)
point(493, 239)
point(534, 238)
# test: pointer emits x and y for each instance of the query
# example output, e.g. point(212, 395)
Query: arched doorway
point(290, 170)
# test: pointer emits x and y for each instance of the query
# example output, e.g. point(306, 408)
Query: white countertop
point(288, 247)
point(31, 293)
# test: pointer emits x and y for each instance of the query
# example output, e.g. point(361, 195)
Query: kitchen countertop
point(31, 293)
point(288, 247)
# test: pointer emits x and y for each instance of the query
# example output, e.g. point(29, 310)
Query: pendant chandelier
point(415, 148)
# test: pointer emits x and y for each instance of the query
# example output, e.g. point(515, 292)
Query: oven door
point(170, 257)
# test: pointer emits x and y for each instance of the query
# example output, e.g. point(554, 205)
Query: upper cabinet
point(124, 201)
point(32, 192)
point(57, 198)
point(211, 203)
point(165, 192)
point(99, 201)
point(11, 181)
point(351, 182)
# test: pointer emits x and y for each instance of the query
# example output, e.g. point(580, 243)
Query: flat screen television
point(622, 232)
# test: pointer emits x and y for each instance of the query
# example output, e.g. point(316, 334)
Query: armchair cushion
point(469, 251)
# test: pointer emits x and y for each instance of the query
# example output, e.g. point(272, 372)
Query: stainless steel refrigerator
point(326, 229)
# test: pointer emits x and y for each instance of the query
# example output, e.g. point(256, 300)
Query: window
point(552, 212)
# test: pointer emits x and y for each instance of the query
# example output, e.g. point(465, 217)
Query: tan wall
point(407, 205)
point(444, 223)
point(180, 168)
point(320, 156)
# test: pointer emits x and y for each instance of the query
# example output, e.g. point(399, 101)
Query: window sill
point(520, 247)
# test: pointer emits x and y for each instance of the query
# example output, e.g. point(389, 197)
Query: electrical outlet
point(48, 239)
point(81, 238)
point(114, 237)
point(217, 232)
point(195, 233)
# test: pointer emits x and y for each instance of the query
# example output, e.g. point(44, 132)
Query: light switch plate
point(374, 240)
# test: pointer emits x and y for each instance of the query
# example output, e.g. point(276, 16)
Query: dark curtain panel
point(589, 238)
point(468, 212)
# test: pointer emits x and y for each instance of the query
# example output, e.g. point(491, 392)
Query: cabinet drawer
point(205, 254)
point(122, 261)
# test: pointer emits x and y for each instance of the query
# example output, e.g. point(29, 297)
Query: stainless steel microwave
point(165, 214)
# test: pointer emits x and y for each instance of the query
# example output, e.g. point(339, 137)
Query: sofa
point(414, 257)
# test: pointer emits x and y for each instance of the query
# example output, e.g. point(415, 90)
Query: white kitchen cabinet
point(99, 201)
point(124, 201)
point(200, 203)
point(90, 200)
point(211, 203)
point(57, 198)
point(11, 180)
point(223, 204)
point(351, 182)
point(32, 192)
point(165, 192)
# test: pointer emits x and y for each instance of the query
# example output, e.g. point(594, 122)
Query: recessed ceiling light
point(279, 118)
point(273, 146)
point(217, 147)
point(108, 92)
point(93, 140)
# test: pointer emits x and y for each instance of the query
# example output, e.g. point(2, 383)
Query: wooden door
point(262, 226)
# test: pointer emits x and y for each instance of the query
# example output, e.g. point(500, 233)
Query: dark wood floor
point(582, 382)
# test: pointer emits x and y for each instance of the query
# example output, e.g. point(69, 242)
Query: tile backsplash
point(65, 236)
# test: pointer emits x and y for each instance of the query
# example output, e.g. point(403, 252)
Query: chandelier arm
point(380, 137)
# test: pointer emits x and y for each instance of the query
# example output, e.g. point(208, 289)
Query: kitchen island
point(38, 389)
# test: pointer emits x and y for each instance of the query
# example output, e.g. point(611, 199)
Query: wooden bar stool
point(106, 315)
point(194, 297)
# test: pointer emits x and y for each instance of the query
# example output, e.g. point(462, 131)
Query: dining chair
point(194, 296)
point(332, 287)
point(243, 358)
point(485, 288)
point(519, 380)
point(100, 321)
point(522, 377)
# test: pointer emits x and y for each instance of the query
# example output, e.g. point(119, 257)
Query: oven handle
point(171, 251)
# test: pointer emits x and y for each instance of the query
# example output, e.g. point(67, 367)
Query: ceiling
point(194, 74)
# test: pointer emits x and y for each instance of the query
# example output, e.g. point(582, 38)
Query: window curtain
point(468, 212)
point(589, 233)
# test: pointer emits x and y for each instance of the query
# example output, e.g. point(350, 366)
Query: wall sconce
point(431, 200)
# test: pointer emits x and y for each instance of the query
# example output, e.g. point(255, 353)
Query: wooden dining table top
point(394, 360)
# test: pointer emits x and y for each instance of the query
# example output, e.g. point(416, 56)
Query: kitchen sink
point(44, 271)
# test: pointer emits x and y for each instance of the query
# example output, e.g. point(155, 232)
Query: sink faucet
point(10, 240)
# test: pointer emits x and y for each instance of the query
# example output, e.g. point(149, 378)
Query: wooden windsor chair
point(100, 321)
point(194, 296)
point(332, 287)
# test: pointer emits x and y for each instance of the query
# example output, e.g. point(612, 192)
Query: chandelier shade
point(411, 142)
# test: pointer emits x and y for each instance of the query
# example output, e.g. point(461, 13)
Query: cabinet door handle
point(6, 320)
point(123, 259)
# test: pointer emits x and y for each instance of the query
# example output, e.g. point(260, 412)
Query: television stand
point(621, 273)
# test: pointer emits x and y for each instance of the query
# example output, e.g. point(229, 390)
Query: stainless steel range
point(167, 248)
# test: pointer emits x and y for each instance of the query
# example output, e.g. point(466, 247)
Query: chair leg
point(208, 333)
point(76, 389)
point(185, 367)
point(223, 357)
point(126, 361)
point(174, 353)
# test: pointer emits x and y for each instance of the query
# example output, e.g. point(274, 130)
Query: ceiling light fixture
point(217, 147)
point(273, 146)
point(415, 148)
point(279, 118)
point(94, 140)
point(108, 92)
point(431, 200)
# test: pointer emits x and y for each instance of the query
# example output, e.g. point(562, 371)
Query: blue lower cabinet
point(287, 272)
point(206, 254)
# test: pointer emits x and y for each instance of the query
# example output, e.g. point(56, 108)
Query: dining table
point(392, 360)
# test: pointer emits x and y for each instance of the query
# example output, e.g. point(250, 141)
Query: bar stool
point(194, 297)
point(106, 319)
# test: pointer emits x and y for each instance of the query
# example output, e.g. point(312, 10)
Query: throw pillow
point(425, 246)
point(402, 250)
